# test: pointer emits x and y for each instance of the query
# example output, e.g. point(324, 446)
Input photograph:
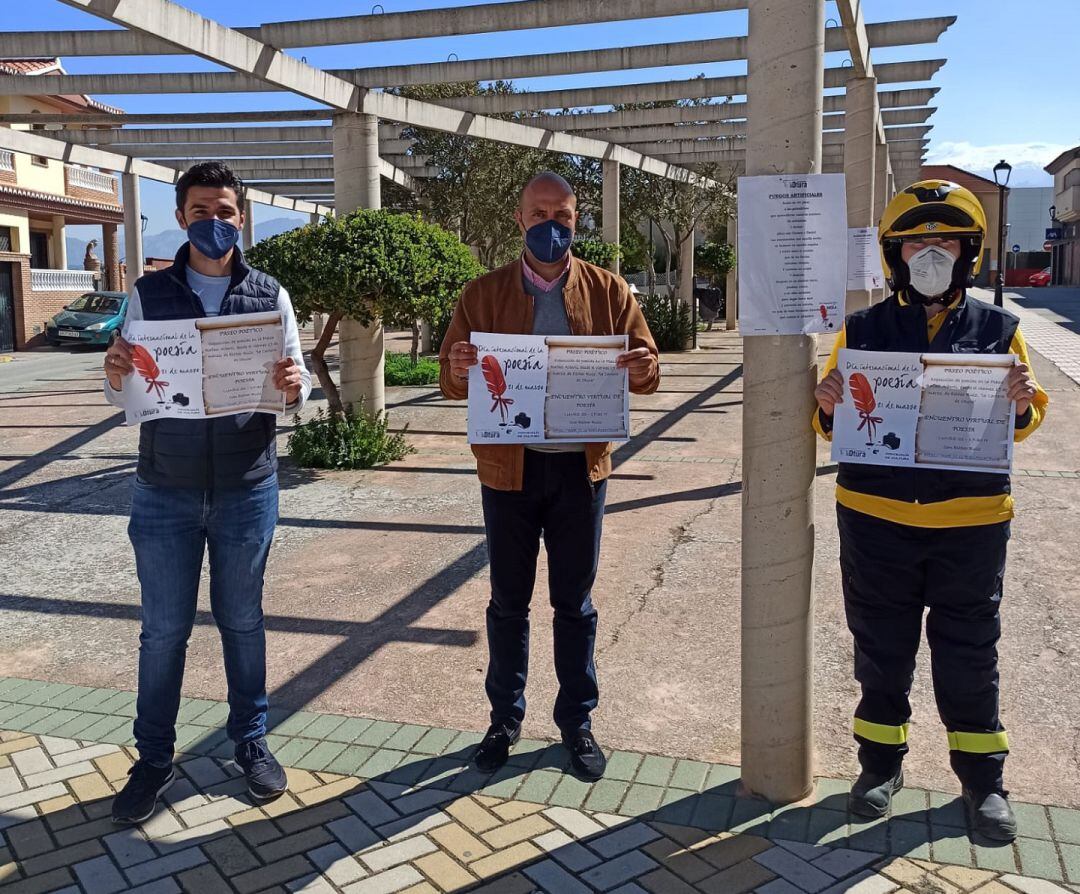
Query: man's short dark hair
point(209, 173)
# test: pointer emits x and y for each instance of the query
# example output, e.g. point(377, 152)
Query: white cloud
point(1027, 159)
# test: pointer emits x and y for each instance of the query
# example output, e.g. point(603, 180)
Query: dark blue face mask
point(213, 238)
point(549, 241)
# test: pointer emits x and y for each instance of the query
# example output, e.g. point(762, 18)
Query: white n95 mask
point(931, 271)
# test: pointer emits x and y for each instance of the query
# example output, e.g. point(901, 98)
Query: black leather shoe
point(872, 793)
point(586, 757)
point(990, 815)
point(139, 796)
point(266, 778)
point(494, 749)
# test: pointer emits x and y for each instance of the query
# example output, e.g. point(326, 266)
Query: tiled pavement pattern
point(1055, 342)
point(377, 808)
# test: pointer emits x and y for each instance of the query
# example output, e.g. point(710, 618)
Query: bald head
point(546, 197)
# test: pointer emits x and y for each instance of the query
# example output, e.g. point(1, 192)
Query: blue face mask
point(212, 237)
point(549, 241)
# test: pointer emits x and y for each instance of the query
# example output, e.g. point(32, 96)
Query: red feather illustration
point(146, 367)
point(496, 384)
point(865, 402)
point(824, 312)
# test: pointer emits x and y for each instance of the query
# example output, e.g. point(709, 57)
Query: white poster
point(196, 369)
point(548, 389)
point(864, 270)
point(934, 411)
point(793, 238)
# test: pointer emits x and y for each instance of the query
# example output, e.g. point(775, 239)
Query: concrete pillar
point(249, 224)
point(356, 175)
point(860, 140)
point(110, 240)
point(60, 257)
point(611, 210)
point(881, 199)
point(785, 80)
point(686, 279)
point(731, 291)
point(427, 338)
point(317, 320)
point(133, 244)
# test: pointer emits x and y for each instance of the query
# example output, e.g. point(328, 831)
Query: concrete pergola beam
point(481, 19)
point(212, 41)
point(275, 134)
point(889, 99)
point(103, 119)
point(34, 144)
point(223, 150)
point(228, 82)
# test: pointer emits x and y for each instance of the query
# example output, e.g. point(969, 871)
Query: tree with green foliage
point(715, 259)
point(596, 251)
point(367, 266)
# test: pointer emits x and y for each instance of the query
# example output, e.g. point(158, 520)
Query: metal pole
point(785, 83)
point(999, 286)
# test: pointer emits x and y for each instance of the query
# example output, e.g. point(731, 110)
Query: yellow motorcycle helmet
point(933, 208)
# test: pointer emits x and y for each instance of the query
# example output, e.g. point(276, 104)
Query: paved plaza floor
point(375, 598)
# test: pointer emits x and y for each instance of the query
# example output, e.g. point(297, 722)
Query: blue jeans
point(170, 530)
point(558, 502)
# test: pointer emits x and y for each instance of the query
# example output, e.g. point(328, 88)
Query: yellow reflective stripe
point(879, 732)
point(979, 743)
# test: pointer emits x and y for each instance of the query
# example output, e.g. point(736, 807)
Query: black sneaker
point(137, 800)
point(872, 793)
point(494, 749)
point(990, 815)
point(586, 757)
point(265, 776)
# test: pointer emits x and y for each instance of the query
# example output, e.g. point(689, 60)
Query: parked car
point(1042, 278)
point(91, 319)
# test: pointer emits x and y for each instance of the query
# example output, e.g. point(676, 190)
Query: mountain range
point(166, 243)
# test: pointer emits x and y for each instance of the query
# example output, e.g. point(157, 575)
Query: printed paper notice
point(864, 270)
point(197, 369)
point(933, 411)
point(535, 389)
point(793, 238)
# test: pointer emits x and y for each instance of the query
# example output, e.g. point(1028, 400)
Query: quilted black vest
point(233, 451)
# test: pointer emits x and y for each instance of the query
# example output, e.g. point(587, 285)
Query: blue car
point(91, 319)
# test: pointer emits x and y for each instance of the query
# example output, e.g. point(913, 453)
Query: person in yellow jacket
point(914, 539)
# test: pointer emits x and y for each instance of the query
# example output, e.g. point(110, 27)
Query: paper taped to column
point(793, 241)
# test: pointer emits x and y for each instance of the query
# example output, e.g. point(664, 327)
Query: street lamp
point(1002, 172)
point(145, 220)
point(1053, 213)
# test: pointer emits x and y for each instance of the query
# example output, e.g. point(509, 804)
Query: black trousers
point(890, 574)
point(560, 504)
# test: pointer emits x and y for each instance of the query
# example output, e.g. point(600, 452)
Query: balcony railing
point(7, 160)
point(84, 178)
point(61, 280)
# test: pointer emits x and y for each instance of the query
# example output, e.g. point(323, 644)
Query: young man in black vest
point(204, 485)
point(915, 538)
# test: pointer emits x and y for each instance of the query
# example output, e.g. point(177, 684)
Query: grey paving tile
point(606, 795)
point(641, 799)
point(690, 775)
point(1039, 858)
point(655, 770)
point(99, 876)
point(538, 786)
point(623, 765)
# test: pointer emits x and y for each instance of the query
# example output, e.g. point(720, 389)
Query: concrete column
point(860, 140)
point(317, 320)
point(881, 199)
point(731, 291)
point(133, 244)
point(60, 257)
point(785, 80)
point(356, 178)
point(686, 279)
point(249, 224)
point(611, 210)
point(110, 239)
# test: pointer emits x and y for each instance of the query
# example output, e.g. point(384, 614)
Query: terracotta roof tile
point(28, 66)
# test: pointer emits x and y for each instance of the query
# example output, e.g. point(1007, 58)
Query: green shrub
point(669, 321)
point(400, 370)
point(350, 440)
point(596, 251)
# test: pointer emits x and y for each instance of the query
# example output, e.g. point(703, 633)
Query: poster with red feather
point(200, 368)
point(932, 411)
point(536, 389)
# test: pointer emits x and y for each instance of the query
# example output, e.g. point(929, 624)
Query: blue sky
point(1005, 91)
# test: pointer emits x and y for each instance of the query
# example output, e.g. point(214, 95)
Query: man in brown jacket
point(552, 491)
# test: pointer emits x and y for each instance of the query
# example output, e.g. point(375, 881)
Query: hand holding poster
point(195, 369)
point(935, 411)
point(548, 389)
